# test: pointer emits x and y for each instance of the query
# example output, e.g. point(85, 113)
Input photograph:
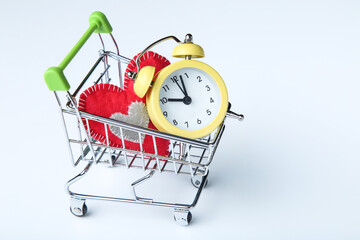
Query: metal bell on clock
point(188, 49)
point(143, 80)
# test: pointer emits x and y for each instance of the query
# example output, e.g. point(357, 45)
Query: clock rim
point(153, 104)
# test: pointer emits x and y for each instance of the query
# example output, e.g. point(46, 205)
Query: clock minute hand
point(183, 85)
point(176, 81)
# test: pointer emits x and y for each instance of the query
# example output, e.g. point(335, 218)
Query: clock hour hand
point(186, 100)
point(175, 100)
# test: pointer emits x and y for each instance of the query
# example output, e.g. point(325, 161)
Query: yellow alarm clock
point(187, 98)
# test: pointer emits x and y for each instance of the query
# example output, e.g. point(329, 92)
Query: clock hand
point(186, 100)
point(175, 99)
point(179, 87)
point(183, 85)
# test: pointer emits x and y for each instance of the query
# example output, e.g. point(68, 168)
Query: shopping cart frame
point(181, 159)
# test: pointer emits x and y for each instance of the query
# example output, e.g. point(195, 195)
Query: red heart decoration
point(111, 101)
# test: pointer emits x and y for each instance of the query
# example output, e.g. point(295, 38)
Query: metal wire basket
point(186, 156)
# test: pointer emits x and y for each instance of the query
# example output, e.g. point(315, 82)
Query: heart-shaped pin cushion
point(110, 101)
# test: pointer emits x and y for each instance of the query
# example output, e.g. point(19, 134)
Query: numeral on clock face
point(166, 88)
point(174, 79)
point(163, 100)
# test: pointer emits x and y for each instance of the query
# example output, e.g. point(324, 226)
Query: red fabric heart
point(111, 101)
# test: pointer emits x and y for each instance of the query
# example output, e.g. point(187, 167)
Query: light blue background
point(289, 171)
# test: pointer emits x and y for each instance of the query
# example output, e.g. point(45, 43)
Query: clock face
point(189, 98)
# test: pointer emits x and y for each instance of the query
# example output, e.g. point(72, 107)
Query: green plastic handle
point(54, 76)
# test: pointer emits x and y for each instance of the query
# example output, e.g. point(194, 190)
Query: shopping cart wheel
point(78, 207)
point(79, 212)
point(197, 179)
point(182, 216)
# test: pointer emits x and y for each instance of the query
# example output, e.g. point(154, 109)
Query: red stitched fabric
point(107, 99)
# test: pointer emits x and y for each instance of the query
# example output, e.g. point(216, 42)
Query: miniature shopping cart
point(186, 156)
